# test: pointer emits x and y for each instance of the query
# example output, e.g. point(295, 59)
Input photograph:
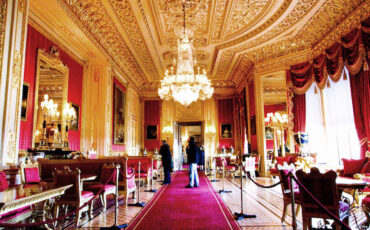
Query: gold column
point(261, 142)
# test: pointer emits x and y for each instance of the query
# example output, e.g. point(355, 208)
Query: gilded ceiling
point(230, 36)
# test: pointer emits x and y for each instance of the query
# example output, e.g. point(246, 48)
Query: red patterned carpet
point(177, 207)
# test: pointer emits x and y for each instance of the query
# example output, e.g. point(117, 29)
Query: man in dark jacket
point(193, 159)
point(166, 161)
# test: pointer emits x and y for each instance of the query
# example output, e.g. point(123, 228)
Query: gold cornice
point(44, 32)
point(352, 21)
point(93, 20)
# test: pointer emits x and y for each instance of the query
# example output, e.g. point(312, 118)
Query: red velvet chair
point(29, 172)
point(286, 188)
point(74, 196)
point(324, 188)
point(3, 181)
point(108, 189)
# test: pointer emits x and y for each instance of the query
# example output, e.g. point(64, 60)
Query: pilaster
point(14, 14)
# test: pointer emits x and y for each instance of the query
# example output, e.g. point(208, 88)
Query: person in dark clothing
point(193, 159)
point(166, 161)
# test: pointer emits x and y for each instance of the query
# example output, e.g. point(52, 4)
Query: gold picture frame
point(226, 131)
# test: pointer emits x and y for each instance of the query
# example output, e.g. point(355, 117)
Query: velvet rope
point(127, 178)
point(336, 219)
point(61, 217)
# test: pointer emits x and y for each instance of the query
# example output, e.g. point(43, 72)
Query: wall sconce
point(167, 131)
point(210, 131)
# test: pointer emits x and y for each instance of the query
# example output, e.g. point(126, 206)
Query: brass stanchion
point(241, 215)
point(223, 181)
point(138, 204)
point(293, 202)
point(215, 175)
point(151, 182)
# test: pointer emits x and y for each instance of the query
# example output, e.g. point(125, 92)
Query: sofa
point(90, 167)
point(304, 163)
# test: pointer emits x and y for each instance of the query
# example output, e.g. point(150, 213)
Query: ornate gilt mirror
point(51, 91)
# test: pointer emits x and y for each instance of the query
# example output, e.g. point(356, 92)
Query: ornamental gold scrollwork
point(11, 148)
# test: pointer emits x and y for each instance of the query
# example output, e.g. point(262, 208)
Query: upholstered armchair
point(324, 188)
point(74, 196)
point(110, 187)
point(29, 172)
point(283, 171)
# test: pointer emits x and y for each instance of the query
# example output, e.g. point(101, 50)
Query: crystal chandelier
point(184, 86)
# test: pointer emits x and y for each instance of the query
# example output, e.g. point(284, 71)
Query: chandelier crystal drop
point(185, 86)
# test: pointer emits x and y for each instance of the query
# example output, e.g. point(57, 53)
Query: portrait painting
point(269, 133)
point(226, 131)
point(118, 116)
point(24, 104)
point(151, 132)
point(75, 120)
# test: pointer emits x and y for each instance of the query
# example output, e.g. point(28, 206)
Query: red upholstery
point(286, 182)
point(131, 182)
point(281, 160)
point(87, 194)
point(106, 174)
point(91, 168)
point(366, 202)
point(218, 161)
point(96, 188)
point(366, 168)
point(3, 182)
point(352, 166)
point(274, 171)
point(145, 164)
point(31, 175)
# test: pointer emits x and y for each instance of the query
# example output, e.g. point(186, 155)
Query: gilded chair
point(324, 188)
point(107, 189)
point(366, 207)
point(29, 172)
point(283, 171)
point(73, 196)
point(249, 166)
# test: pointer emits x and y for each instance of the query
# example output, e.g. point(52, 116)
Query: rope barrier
point(336, 219)
point(61, 217)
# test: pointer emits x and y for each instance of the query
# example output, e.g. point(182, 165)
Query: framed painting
point(24, 104)
point(75, 121)
point(151, 132)
point(226, 131)
point(118, 116)
point(269, 133)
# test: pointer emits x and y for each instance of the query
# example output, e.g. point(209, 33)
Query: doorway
point(184, 130)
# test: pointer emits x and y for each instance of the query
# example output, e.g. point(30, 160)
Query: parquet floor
point(266, 204)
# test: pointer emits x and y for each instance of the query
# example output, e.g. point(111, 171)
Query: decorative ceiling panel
point(230, 36)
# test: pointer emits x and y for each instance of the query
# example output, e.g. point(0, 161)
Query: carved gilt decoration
point(230, 36)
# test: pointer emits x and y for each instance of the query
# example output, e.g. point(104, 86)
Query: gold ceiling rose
point(185, 86)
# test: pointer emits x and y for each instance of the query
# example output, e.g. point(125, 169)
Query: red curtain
point(301, 77)
point(152, 116)
point(360, 90)
point(35, 41)
point(299, 112)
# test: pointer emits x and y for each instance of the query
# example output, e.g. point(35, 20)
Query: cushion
point(86, 194)
point(366, 201)
point(107, 188)
point(31, 175)
point(3, 181)
point(343, 206)
point(352, 166)
point(274, 171)
point(281, 160)
point(366, 168)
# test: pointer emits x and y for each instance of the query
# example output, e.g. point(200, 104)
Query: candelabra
point(277, 122)
point(210, 132)
point(50, 114)
point(69, 114)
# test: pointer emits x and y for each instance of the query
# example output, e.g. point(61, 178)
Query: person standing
point(166, 161)
point(193, 158)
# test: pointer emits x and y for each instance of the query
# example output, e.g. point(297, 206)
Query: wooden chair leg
point(78, 216)
point(284, 212)
point(56, 211)
point(91, 205)
point(297, 209)
point(105, 202)
point(101, 199)
point(305, 223)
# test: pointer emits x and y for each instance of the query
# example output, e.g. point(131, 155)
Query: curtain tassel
point(328, 84)
point(344, 75)
point(366, 66)
point(315, 90)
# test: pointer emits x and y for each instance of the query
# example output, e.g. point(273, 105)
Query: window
point(330, 122)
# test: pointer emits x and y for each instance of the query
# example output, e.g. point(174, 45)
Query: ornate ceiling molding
point(94, 21)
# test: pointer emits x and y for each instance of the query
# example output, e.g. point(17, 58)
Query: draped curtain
point(353, 52)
